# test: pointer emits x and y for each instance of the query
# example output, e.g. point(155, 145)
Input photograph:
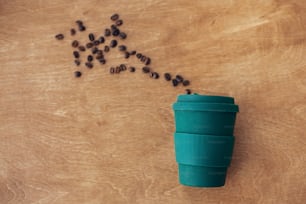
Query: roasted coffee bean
point(82, 28)
point(126, 55)
point(133, 52)
point(94, 50)
point(79, 22)
point(77, 74)
point(122, 67)
point(96, 42)
point(143, 58)
point(89, 65)
point(114, 17)
point(91, 37)
point(101, 39)
point(106, 48)
point(188, 91)
point(75, 43)
point(117, 70)
point(89, 45)
point(119, 22)
point(146, 70)
point(132, 69)
point(77, 62)
point(148, 62)
point(113, 27)
point(186, 83)
point(76, 54)
point(82, 48)
point(102, 61)
point(112, 70)
point(179, 78)
point(89, 58)
point(122, 35)
point(59, 36)
point(167, 76)
point(107, 32)
point(122, 48)
point(99, 52)
point(98, 57)
point(175, 82)
point(113, 43)
point(139, 55)
point(116, 32)
point(155, 75)
point(72, 31)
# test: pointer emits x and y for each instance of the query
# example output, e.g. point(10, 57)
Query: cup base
point(202, 176)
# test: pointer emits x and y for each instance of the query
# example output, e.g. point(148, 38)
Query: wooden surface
point(108, 138)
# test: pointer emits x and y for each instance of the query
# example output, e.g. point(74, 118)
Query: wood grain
point(108, 139)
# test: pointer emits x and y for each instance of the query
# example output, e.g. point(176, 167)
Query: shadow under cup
point(204, 138)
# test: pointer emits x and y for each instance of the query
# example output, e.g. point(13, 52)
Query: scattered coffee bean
point(117, 70)
point(89, 45)
point(94, 50)
point(98, 57)
point(82, 48)
point(113, 27)
point(186, 83)
point(89, 65)
point(72, 31)
point(99, 52)
point(143, 58)
point(122, 35)
point(146, 70)
point(91, 37)
point(139, 55)
point(75, 43)
point(102, 61)
point(167, 76)
point(96, 42)
point(82, 28)
point(155, 75)
point(133, 52)
point(179, 78)
point(122, 67)
point(122, 48)
point(132, 69)
point(188, 91)
point(148, 62)
point(89, 58)
point(113, 43)
point(59, 36)
point(76, 54)
point(77, 74)
point(107, 32)
point(112, 70)
point(175, 82)
point(77, 62)
point(116, 32)
point(126, 55)
point(106, 48)
point(119, 22)
point(115, 17)
point(79, 22)
point(101, 39)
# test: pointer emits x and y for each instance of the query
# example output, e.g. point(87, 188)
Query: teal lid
point(205, 103)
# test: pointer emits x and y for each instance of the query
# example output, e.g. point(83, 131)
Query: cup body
point(204, 138)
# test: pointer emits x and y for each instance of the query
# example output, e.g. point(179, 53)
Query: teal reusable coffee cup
point(204, 138)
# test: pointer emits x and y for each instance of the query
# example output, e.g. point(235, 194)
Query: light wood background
point(108, 138)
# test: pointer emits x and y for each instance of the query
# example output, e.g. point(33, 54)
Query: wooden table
point(106, 138)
